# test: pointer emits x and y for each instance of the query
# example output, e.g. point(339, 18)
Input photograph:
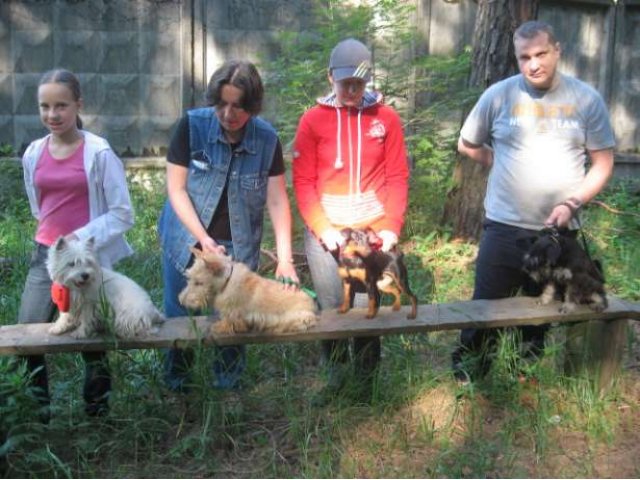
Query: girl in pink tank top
point(75, 183)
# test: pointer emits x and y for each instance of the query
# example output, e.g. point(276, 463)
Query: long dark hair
point(242, 75)
point(68, 79)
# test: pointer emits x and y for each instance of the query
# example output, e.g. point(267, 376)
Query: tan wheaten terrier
point(245, 300)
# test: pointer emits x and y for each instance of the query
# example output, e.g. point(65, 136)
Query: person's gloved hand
point(389, 240)
point(332, 239)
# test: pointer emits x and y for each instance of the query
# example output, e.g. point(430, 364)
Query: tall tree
point(493, 60)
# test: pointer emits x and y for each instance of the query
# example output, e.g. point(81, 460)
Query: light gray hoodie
point(110, 210)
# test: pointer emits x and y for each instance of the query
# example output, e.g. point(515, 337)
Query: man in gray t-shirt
point(535, 131)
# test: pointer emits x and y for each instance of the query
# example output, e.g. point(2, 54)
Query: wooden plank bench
point(595, 342)
point(184, 331)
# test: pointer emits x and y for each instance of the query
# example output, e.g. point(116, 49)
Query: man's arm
point(593, 183)
point(598, 175)
point(478, 153)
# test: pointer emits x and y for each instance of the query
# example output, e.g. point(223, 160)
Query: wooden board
point(182, 332)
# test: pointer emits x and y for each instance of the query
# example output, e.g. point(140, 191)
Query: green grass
point(420, 424)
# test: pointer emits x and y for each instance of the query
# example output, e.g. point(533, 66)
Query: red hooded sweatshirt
point(350, 166)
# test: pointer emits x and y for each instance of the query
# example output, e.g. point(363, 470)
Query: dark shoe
point(97, 379)
point(460, 373)
point(97, 384)
point(44, 414)
point(96, 409)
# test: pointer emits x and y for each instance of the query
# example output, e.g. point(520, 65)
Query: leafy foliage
point(420, 423)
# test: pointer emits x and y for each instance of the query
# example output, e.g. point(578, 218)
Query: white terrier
point(74, 265)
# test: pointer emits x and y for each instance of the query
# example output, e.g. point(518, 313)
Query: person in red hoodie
point(349, 170)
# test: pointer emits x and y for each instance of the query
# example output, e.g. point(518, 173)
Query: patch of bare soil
point(439, 435)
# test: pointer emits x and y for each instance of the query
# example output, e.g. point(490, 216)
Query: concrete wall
point(143, 62)
point(127, 53)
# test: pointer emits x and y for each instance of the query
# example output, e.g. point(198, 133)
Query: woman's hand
point(208, 244)
point(286, 273)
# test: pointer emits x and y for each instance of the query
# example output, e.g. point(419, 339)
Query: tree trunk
point(493, 60)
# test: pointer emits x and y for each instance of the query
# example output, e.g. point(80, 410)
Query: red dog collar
point(60, 296)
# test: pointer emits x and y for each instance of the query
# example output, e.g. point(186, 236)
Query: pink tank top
point(64, 195)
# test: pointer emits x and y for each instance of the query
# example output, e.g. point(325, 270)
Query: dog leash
point(595, 264)
point(289, 281)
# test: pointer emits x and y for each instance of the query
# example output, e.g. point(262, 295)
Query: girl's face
point(58, 108)
point(230, 113)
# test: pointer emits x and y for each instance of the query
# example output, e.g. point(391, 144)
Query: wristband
point(572, 203)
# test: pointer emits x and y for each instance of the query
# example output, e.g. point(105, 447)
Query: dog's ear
point(90, 243)
point(215, 264)
point(196, 252)
point(60, 244)
point(372, 237)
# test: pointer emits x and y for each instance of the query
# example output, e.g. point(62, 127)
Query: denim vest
point(212, 166)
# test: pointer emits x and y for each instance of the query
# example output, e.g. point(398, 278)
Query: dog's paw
point(567, 307)
point(79, 333)
point(60, 328)
point(222, 327)
point(598, 307)
point(56, 329)
point(309, 320)
point(544, 299)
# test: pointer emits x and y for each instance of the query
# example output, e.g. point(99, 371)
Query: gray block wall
point(128, 55)
point(143, 62)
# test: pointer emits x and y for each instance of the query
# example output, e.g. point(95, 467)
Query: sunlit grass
point(420, 423)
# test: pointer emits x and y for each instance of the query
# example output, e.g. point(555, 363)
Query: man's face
point(537, 60)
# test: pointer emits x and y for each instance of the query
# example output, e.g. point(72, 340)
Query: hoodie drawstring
point(359, 192)
point(339, 164)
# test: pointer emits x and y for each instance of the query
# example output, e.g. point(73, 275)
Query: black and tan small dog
point(562, 267)
point(361, 263)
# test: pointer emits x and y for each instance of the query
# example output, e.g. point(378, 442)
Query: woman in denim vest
point(224, 165)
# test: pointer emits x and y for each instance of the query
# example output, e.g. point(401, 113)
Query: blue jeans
point(36, 306)
point(499, 274)
point(230, 361)
point(328, 287)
